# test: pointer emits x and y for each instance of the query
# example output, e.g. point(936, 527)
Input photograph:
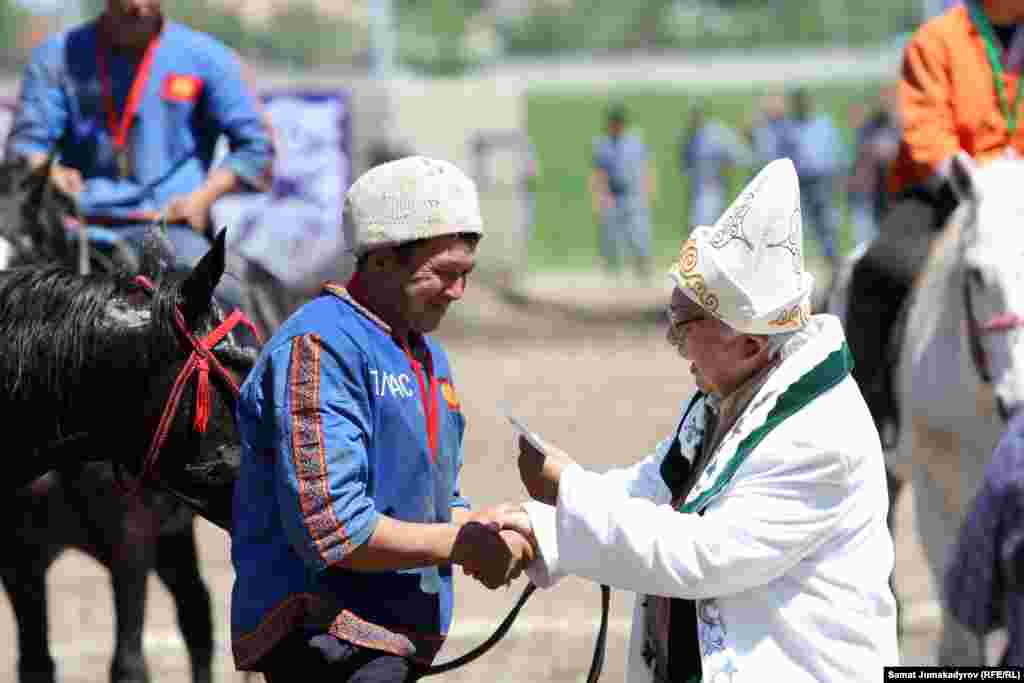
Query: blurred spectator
point(933, 8)
point(708, 152)
point(768, 132)
point(814, 145)
point(877, 142)
point(858, 183)
point(621, 186)
point(530, 180)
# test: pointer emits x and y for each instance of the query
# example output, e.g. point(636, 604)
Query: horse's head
point(33, 216)
point(189, 403)
point(991, 275)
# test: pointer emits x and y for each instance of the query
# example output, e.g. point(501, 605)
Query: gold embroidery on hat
point(793, 317)
point(688, 256)
point(695, 281)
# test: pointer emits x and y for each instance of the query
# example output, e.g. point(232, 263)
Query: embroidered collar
point(816, 364)
point(341, 291)
point(418, 342)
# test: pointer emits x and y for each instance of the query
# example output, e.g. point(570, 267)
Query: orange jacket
point(948, 99)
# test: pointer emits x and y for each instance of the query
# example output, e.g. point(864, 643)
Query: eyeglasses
point(675, 321)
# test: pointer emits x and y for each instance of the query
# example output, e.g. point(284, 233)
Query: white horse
point(961, 364)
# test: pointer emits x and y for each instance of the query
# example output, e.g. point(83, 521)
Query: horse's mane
point(943, 255)
point(57, 331)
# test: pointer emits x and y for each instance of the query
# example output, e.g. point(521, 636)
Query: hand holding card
point(540, 464)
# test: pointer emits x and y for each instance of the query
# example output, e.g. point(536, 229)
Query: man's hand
point(541, 473)
point(193, 208)
point(493, 558)
point(515, 518)
point(66, 179)
point(493, 517)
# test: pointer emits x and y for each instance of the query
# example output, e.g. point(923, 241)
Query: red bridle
point(999, 324)
point(200, 361)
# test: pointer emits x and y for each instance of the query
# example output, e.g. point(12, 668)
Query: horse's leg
point(177, 565)
point(26, 589)
point(936, 505)
point(133, 557)
point(33, 534)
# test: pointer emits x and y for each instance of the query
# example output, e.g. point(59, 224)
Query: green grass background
point(562, 123)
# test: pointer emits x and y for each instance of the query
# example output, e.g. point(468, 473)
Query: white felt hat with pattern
point(410, 199)
point(748, 269)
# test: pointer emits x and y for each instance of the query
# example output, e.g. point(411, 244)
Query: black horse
point(89, 361)
point(36, 219)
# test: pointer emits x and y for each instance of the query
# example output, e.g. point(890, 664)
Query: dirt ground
point(603, 386)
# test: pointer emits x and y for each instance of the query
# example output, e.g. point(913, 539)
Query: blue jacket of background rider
point(340, 424)
point(195, 92)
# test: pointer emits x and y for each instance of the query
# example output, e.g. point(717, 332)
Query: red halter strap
point(200, 361)
point(999, 324)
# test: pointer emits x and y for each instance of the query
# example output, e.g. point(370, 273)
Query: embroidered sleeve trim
point(250, 648)
point(326, 531)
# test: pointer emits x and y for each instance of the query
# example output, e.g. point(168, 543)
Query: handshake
point(495, 545)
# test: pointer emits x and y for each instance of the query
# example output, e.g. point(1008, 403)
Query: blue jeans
point(862, 215)
point(189, 248)
point(820, 212)
point(626, 226)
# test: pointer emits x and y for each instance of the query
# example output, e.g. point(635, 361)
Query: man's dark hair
point(616, 113)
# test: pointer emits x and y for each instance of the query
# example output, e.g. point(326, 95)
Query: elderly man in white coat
point(755, 535)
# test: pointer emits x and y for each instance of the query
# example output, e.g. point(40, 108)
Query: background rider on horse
point(132, 105)
point(959, 90)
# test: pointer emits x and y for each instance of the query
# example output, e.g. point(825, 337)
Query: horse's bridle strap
point(200, 361)
point(999, 324)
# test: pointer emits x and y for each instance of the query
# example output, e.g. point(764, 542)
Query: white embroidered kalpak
point(410, 199)
point(748, 269)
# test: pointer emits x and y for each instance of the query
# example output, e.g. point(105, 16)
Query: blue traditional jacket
point(984, 580)
point(195, 93)
point(334, 432)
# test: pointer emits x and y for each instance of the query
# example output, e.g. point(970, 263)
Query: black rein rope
point(596, 664)
point(58, 446)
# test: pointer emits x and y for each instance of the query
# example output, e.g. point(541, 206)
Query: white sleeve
point(752, 534)
point(643, 480)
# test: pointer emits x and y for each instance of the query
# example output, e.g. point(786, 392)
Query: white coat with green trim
point(790, 561)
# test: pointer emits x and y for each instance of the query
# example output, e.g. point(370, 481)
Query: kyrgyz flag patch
point(450, 397)
point(182, 88)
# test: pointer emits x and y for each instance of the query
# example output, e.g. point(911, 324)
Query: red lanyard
point(428, 394)
point(119, 127)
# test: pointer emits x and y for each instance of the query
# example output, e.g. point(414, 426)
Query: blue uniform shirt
point(705, 155)
point(195, 93)
point(815, 147)
point(624, 159)
point(334, 434)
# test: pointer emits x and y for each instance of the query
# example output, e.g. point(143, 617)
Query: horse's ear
point(961, 177)
point(197, 290)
